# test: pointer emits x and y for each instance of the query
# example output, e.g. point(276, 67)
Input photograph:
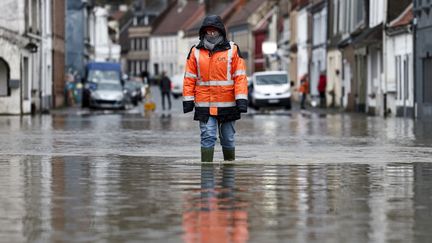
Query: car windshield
point(97, 76)
point(130, 85)
point(109, 86)
point(275, 79)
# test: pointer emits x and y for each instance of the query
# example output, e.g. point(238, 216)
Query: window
point(146, 43)
point(35, 15)
point(26, 86)
point(427, 80)
point(143, 65)
point(406, 78)
point(130, 66)
point(4, 78)
point(156, 69)
point(132, 43)
point(335, 16)
point(398, 78)
point(139, 44)
point(137, 67)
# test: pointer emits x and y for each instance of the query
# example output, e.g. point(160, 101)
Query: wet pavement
point(301, 176)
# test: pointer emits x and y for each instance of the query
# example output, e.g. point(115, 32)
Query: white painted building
point(104, 48)
point(283, 45)
point(302, 43)
point(319, 50)
point(399, 65)
point(185, 43)
point(375, 62)
point(165, 39)
point(163, 55)
point(22, 85)
point(46, 72)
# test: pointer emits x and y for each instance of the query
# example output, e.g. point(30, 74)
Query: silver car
point(107, 95)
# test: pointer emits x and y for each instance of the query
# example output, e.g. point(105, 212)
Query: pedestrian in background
point(218, 94)
point(165, 87)
point(304, 91)
point(322, 83)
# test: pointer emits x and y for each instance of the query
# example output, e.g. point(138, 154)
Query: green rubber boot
point(207, 154)
point(228, 154)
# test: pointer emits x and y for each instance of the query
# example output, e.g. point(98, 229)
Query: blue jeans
point(209, 129)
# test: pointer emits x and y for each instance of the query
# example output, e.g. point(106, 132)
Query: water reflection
point(214, 213)
point(121, 198)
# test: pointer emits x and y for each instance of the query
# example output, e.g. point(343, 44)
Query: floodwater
point(299, 177)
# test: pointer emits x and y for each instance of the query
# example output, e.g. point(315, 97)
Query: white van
point(270, 89)
point(177, 85)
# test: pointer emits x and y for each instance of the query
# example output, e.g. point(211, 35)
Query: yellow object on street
point(149, 106)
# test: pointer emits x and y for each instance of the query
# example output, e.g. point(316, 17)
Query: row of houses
point(161, 33)
point(374, 53)
point(42, 43)
point(366, 48)
point(31, 55)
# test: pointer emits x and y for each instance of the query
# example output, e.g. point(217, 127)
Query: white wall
point(12, 16)
point(46, 55)
point(302, 35)
point(319, 27)
point(11, 54)
point(400, 49)
point(164, 52)
point(319, 57)
point(105, 50)
point(376, 12)
point(184, 46)
point(334, 82)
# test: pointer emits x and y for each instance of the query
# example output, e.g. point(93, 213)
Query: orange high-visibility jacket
point(216, 83)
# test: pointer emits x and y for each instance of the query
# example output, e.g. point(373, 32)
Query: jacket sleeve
point(240, 80)
point(189, 81)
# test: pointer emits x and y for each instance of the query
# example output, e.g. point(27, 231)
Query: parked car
point(177, 85)
point(133, 91)
point(99, 72)
point(270, 89)
point(107, 95)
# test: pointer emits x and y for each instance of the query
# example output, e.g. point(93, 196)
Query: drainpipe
point(414, 33)
point(386, 3)
point(21, 84)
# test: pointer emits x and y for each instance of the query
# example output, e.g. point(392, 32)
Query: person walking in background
point(322, 83)
point(165, 86)
point(304, 91)
point(218, 94)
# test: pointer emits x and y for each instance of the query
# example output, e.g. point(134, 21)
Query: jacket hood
point(212, 21)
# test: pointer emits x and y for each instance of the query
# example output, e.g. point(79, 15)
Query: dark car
point(133, 90)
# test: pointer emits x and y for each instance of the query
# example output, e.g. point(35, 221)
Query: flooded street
point(307, 176)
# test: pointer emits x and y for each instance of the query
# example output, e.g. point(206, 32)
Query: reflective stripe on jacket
point(214, 81)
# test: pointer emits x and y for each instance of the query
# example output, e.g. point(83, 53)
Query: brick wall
point(58, 16)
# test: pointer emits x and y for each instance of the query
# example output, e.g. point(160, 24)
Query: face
point(211, 31)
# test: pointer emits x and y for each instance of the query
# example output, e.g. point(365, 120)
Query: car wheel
point(85, 102)
point(288, 106)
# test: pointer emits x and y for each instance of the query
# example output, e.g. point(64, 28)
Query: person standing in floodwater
point(322, 83)
point(215, 84)
point(304, 90)
point(165, 86)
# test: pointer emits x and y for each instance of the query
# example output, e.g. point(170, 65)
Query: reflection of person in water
point(216, 216)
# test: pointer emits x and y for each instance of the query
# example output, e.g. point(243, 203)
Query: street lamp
point(31, 47)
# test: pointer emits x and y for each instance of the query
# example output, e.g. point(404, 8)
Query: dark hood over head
point(212, 21)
